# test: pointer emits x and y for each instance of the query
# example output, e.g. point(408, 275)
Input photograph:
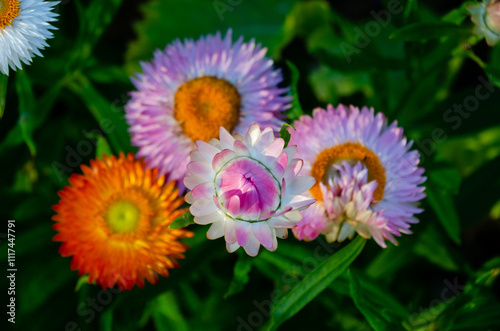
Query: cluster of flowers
point(205, 118)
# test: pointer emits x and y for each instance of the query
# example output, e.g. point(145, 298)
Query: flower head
point(113, 220)
point(367, 179)
point(486, 17)
point(248, 188)
point(192, 88)
point(24, 27)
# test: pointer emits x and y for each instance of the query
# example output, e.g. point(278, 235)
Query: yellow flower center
point(349, 152)
point(123, 216)
point(9, 10)
point(204, 104)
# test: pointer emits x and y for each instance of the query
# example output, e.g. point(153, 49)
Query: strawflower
point(248, 188)
point(24, 27)
point(486, 17)
point(113, 221)
point(367, 177)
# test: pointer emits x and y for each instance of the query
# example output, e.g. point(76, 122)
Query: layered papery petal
point(367, 179)
point(216, 230)
point(247, 198)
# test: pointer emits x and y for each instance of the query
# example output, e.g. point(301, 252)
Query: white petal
point(230, 231)
point(203, 207)
point(232, 247)
point(216, 230)
point(206, 150)
point(252, 246)
point(300, 184)
point(281, 233)
point(210, 218)
point(192, 181)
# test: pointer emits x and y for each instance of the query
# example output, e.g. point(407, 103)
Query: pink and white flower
point(367, 177)
point(248, 188)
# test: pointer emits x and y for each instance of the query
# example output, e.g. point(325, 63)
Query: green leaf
point(52, 274)
point(107, 320)
point(108, 117)
point(102, 147)
point(260, 19)
point(390, 308)
point(167, 315)
point(432, 245)
point(241, 270)
point(3, 93)
point(370, 310)
point(26, 109)
point(296, 110)
point(81, 281)
point(426, 31)
point(94, 19)
point(315, 282)
point(285, 134)
point(440, 187)
point(458, 15)
point(447, 178)
point(23, 128)
point(182, 221)
point(411, 5)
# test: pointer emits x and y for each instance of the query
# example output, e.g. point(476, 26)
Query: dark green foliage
point(423, 67)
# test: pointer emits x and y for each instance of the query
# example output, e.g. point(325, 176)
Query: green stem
point(3, 93)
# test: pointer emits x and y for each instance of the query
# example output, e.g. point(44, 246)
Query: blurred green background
point(416, 62)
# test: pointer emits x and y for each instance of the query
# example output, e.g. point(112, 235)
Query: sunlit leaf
point(315, 282)
point(285, 134)
point(182, 221)
point(166, 313)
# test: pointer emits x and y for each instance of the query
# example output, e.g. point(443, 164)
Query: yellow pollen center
point(204, 104)
point(9, 10)
point(349, 152)
point(123, 216)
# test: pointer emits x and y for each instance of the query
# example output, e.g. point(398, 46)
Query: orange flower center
point(204, 104)
point(9, 10)
point(351, 152)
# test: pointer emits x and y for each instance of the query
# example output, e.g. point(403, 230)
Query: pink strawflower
point(192, 88)
point(248, 188)
point(367, 179)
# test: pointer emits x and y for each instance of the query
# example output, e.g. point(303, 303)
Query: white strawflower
point(24, 27)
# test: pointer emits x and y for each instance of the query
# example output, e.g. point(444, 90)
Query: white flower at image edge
point(24, 27)
point(248, 188)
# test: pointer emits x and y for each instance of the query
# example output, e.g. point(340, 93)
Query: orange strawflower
point(113, 220)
